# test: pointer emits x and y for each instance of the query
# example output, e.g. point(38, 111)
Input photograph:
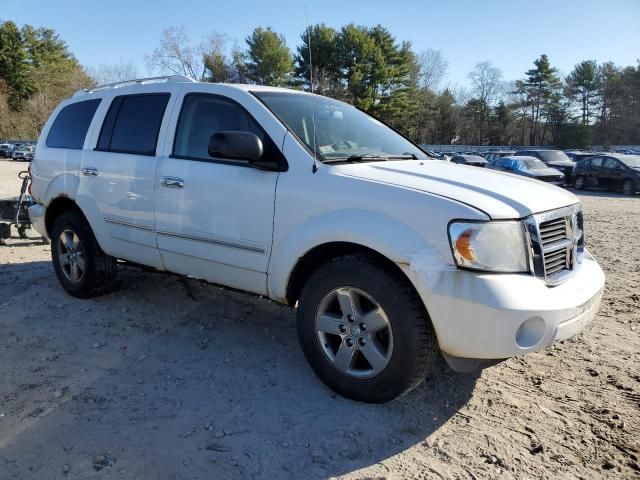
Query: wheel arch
point(57, 207)
point(323, 253)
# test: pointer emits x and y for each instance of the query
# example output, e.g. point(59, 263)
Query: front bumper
point(493, 316)
point(36, 215)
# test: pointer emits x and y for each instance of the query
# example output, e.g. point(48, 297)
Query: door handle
point(89, 171)
point(172, 182)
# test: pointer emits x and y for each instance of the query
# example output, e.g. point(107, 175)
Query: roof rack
point(137, 81)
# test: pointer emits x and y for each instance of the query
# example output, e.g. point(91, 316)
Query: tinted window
point(596, 162)
point(70, 127)
point(133, 123)
point(203, 115)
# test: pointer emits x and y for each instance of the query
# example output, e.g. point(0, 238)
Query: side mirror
point(236, 146)
point(241, 146)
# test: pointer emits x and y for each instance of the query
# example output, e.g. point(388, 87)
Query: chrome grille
point(556, 241)
point(553, 230)
point(556, 246)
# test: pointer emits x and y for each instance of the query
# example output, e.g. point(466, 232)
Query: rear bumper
point(492, 316)
point(36, 215)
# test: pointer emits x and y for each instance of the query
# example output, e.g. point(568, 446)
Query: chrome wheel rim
point(354, 332)
point(627, 188)
point(579, 183)
point(71, 256)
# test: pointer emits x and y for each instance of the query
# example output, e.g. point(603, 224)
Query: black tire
point(580, 183)
point(100, 269)
point(629, 187)
point(22, 232)
point(415, 347)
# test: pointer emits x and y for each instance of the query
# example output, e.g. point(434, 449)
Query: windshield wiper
point(370, 158)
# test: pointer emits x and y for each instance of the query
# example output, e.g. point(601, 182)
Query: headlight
point(489, 246)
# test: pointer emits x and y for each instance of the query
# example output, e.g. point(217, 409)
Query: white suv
point(390, 256)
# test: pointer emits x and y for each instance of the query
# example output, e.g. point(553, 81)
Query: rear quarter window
point(70, 127)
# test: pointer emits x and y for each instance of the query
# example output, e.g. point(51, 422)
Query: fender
point(65, 185)
point(381, 233)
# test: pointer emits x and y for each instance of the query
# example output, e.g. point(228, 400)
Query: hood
point(544, 172)
point(500, 195)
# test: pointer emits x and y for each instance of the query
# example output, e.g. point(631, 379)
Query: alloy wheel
point(71, 256)
point(354, 332)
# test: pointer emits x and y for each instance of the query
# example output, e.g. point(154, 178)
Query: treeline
point(365, 66)
point(36, 72)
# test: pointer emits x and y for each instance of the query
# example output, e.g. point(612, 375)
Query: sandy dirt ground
point(170, 379)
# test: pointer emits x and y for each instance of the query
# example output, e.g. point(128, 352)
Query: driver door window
point(203, 115)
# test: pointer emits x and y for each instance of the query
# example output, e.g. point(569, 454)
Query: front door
point(594, 171)
point(214, 216)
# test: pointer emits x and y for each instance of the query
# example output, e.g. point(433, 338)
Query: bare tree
point(433, 68)
point(211, 60)
point(176, 55)
point(117, 72)
point(486, 82)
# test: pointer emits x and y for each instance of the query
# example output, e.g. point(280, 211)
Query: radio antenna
point(314, 169)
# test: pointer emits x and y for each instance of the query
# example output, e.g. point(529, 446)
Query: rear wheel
point(364, 329)
point(580, 183)
point(81, 266)
point(629, 187)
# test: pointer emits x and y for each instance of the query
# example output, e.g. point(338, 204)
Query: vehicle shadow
point(170, 378)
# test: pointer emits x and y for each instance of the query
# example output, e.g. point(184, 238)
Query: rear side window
point(596, 162)
point(132, 124)
point(70, 127)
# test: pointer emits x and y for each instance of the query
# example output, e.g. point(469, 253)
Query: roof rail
point(137, 81)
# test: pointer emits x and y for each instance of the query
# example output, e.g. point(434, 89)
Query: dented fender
point(381, 233)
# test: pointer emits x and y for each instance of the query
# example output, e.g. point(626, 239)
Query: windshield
point(632, 161)
point(532, 164)
point(22, 149)
point(553, 156)
point(342, 131)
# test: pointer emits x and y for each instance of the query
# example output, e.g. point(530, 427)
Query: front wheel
point(81, 266)
point(364, 330)
point(580, 183)
point(628, 187)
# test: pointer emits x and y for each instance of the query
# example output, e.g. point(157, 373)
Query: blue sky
point(511, 34)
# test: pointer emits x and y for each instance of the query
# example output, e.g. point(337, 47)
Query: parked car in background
point(614, 171)
point(553, 158)
point(529, 167)
point(577, 156)
point(475, 160)
point(5, 150)
point(493, 156)
point(30, 154)
point(20, 153)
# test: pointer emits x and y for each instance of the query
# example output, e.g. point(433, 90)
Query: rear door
point(117, 177)
point(612, 173)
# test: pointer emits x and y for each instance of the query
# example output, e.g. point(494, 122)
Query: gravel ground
point(170, 379)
